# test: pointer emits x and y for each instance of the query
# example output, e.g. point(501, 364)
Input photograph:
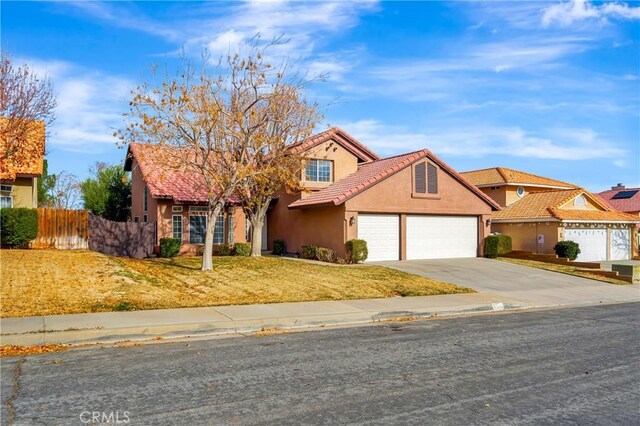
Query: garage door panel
point(620, 244)
point(382, 234)
point(592, 242)
point(440, 237)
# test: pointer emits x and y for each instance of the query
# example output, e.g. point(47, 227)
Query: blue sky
point(551, 88)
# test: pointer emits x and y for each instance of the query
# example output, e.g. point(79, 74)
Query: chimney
point(618, 186)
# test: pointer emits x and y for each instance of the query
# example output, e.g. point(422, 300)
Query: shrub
point(224, 250)
point(357, 251)
point(169, 247)
point(279, 247)
point(308, 252)
point(568, 249)
point(324, 254)
point(242, 249)
point(18, 226)
point(496, 245)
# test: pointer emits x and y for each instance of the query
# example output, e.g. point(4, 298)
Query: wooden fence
point(62, 229)
point(79, 229)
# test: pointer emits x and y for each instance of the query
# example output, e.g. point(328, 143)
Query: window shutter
point(432, 179)
point(420, 184)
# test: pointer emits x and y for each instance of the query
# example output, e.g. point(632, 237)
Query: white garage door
point(592, 242)
point(382, 234)
point(441, 237)
point(620, 244)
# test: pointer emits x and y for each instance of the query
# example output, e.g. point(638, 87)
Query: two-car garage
point(425, 236)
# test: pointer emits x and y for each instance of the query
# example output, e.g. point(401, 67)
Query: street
point(578, 365)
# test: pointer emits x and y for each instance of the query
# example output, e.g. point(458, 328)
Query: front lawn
point(47, 282)
point(565, 269)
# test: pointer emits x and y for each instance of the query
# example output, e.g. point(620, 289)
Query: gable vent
point(432, 179)
point(420, 176)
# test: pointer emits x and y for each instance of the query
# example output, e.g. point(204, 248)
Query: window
point(145, 200)
point(144, 218)
point(495, 188)
point(176, 209)
point(420, 186)
point(6, 188)
point(520, 191)
point(201, 209)
point(218, 231)
point(176, 220)
point(432, 179)
point(197, 229)
point(580, 200)
point(231, 230)
point(6, 201)
point(318, 171)
point(136, 219)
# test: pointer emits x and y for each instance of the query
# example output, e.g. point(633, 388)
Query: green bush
point(357, 251)
point(308, 252)
point(497, 245)
point(224, 250)
point(324, 254)
point(242, 249)
point(279, 247)
point(568, 249)
point(18, 226)
point(169, 247)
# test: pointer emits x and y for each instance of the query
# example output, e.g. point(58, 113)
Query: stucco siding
point(24, 192)
point(524, 236)
point(344, 163)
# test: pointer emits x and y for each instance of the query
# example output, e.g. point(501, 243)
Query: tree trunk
point(207, 254)
point(257, 219)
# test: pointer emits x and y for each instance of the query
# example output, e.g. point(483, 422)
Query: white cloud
point(481, 141)
point(567, 13)
point(90, 106)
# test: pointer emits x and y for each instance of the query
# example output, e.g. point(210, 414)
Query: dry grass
point(14, 350)
point(565, 269)
point(46, 282)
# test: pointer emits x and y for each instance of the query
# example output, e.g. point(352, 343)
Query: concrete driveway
point(535, 287)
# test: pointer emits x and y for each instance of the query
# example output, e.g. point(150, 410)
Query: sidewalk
point(174, 323)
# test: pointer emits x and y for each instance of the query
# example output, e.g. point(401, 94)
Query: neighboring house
point(176, 199)
point(410, 206)
point(507, 186)
point(623, 199)
point(19, 172)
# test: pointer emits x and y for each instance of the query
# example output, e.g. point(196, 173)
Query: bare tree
point(66, 193)
point(27, 104)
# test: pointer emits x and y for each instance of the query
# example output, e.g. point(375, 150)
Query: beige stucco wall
point(344, 163)
point(24, 192)
point(507, 194)
point(524, 236)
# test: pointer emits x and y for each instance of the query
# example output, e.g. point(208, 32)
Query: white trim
point(11, 198)
point(522, 220)
point(630, 222)
point(3, 188)
point(181, 226)
point(176, 209)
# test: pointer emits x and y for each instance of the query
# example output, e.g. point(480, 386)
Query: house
point(409, 206)
point(162, 191)
point(622, 199)
point(540, 211)
point(506, 186)
point(19, 171)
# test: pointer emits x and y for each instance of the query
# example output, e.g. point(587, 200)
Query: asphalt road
point(566, 366)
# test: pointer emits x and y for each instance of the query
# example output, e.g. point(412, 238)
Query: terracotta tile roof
point(26, 162)
point(503, 175)
point(369, 174)
point(546, 205)
point(347, 141)
point(631, 205)
point(165, 175)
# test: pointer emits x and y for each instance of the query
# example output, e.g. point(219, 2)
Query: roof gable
point(506, 176)
point(374, 172)
point(343, 139)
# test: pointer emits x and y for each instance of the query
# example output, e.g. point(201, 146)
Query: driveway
point(535, 287)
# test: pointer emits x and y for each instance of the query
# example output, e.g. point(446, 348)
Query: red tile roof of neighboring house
point(166, 176)
point(28, 160)
point(503, 176)
point(629, 205)
point(546, 205)
point(343, 138)
point(369, 174)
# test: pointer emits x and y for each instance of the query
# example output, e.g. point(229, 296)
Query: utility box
point(628, 270)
